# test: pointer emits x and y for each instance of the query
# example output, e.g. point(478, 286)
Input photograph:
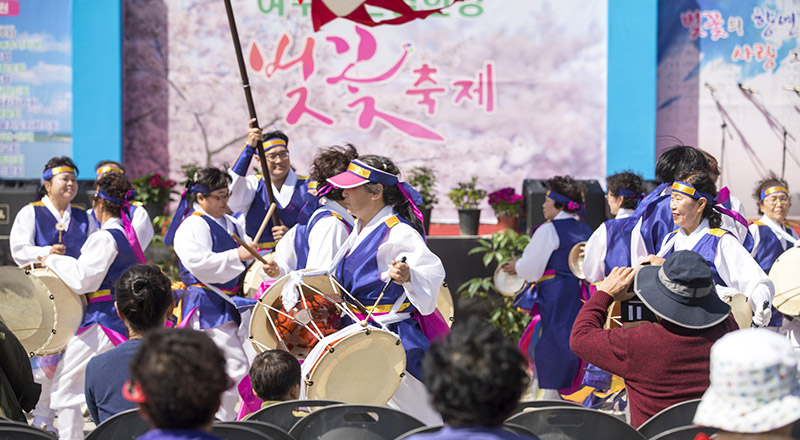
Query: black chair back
point(546, 403)
point(684, 433)
point(678, 415)
point(23, 432)
point(234, 431)
point(286, 414)
point(272, 431)
point(564, 423)
point(354, 422)
point(126, 425)
point(421, 430)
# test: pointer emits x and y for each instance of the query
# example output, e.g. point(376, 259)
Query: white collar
point(284, 195)
point(565, 215)
point(113, 223)
point(337, 208)
point(700, 230)
point(624, 213)
point(52, 208)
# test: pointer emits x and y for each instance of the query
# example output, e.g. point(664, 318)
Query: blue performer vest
point(769, 246)
point(214, 311)
point(303, 231)
point(655, 224)
point(47, 234)
point(559, 297)
point(101, 308)
point(618, 244)
point(258, 209)
point(707, 247)
point(358, 272)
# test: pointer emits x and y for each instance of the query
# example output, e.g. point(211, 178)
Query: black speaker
point(534, 190)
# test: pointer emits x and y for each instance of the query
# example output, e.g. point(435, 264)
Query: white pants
point(70, 377)
point(413, 399)
point(226, 337)
point(244, 336)
point(43, 414)
point(791, 329)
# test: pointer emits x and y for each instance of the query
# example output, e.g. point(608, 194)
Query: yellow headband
point(272, 143)
point(686, 189)
point(772, 190)
point(109, 169)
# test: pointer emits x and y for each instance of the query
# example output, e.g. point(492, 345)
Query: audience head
point(329, 162)
point(275, 375)
point(475, 376)
point(143, 296)
point(177, 377)
point(773, 197)
point(625, 189)
point(754, 384)
point(680, 161)
point(564, 194)
point(682, 291)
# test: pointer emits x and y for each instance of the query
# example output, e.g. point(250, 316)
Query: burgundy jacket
point(662, 363)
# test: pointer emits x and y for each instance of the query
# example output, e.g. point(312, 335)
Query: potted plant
point(423, 180)
point(506, 205)
point(466, 197)
point(154, 192)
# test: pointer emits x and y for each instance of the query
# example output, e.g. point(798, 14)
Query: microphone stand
point(774, 122)
point(723, 124)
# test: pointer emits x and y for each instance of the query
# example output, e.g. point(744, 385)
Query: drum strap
point(100, 296)
point(381, 309)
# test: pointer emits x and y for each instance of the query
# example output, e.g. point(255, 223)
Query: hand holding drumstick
point(400, 272)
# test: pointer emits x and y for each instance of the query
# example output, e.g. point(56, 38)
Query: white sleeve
point(741, 272)
point(143, 226)
point(427, 271)
point(22, 239)
point(324, 241)
point(594, 255)
point(85, 274)
point(193, 246)
point(754, 231)
point(534, 258)
point(285, 253)
point(638, 247)
point(243, 191)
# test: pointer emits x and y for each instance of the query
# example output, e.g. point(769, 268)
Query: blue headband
point(570, 204)
point(625, 192)
point(128, 197)
point(183, 208)
point(50, 172)
point(691, 191)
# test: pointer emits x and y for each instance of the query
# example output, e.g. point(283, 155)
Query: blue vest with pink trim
point(769, 246)
point(47, 234)
point(101, 309)
point(303, 231)
point(258, 209)
point(214, 311)
point(707, 247)
point(618, 244)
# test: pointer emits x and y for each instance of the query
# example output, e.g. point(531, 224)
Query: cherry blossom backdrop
point(501, 90)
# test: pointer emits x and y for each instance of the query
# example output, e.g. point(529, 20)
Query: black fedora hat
point(682, 291)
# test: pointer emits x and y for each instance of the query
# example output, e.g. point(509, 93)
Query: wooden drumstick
point(380, 297)
point(270, 211)
point(249, 249)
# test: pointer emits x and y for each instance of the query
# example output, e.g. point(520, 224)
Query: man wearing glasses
point(249, 193)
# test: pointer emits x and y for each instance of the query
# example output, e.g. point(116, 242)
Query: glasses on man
point(278, 155)
point(220, 197)
point(772, 201)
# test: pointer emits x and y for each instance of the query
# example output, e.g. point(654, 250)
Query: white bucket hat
point(754, 384)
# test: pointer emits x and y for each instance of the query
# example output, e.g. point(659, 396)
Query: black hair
point(475, 376)
point(58, 161)
point(109, 162)
point(274, 373)
point(702, 182)
point(182, 376)
point(143, 294)
point(626, 180)
point(713, 165)
point(277, 134)
point(568, 187)
point(678, 161)
point(392, 195)
point(212, 177)
point(329, 162)
point(114, 185)
point(772, 179)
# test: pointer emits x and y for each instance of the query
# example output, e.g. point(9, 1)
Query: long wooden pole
point(248, 94)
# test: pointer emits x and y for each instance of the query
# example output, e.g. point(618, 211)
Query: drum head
point(444, 304)
point(252, 278)
point(27, 308)
point(740, 308)
point(507, 284)
point(265, 321)
point(365, 367)
point(787, 282)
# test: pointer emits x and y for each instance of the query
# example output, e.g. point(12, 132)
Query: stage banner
point(500, 90)
point(728, 79)
point(35, 85)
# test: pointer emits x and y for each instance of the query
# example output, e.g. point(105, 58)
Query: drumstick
point(385, 288)
point(249, 249)
point(263, 226)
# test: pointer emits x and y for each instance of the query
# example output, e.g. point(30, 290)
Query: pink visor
point(359, 173)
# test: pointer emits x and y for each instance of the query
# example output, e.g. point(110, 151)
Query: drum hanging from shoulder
point(314, 316)
point(444, 303)
point(253, 279)
point(784, 274)
point(355, 365)
point(41, 311)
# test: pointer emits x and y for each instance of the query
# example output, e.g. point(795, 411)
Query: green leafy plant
point(153, 189)
point(423, 179)
point(467, 195)
point(502, 313)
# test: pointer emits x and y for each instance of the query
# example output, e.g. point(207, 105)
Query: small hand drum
point(506, 283)
point(444, 303)
point(740, 308)
point(784, 274)
point(272, 327)
point(41, 311)
point(355, 365)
